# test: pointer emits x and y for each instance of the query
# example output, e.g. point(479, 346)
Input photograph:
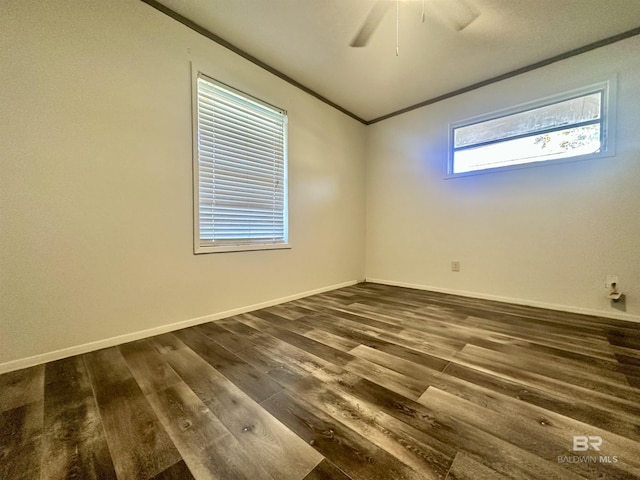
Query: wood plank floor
point(368, 382)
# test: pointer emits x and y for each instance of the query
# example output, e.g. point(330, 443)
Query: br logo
point(582, 443)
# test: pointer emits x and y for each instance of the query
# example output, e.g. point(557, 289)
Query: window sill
point(559, 161)
point(198, 250)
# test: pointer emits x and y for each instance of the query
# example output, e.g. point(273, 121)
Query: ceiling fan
point(458, 14)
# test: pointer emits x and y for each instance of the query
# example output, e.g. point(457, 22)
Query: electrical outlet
point(455, 266)
point(609, 280)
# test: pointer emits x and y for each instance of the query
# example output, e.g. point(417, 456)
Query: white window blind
point(241, 171)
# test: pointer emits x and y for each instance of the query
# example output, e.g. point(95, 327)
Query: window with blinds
point(240, 171)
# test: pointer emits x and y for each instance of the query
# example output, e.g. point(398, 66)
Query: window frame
point(198, 248)
point(608, 116)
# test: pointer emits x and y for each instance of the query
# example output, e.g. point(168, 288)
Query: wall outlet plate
point(455, 266)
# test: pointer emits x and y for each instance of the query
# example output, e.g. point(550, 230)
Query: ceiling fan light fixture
point(459, 14)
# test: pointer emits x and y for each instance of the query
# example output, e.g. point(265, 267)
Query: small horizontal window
point(576, 126)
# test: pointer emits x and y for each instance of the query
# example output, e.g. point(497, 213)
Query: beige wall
point(96, 185)
point(545, 236)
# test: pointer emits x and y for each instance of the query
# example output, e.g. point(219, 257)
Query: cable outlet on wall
point(455, 266)
point(610, 280)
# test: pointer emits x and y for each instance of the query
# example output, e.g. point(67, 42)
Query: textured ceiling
point(308, 40)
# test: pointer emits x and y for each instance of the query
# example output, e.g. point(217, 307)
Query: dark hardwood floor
point(365, 383)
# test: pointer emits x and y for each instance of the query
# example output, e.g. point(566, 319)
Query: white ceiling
point(308, 40)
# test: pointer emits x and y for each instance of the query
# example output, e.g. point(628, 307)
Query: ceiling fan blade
point(375, 16)
point(461, 14)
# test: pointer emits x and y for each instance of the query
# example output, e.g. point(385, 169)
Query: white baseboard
point(130, 337)
point(517, 301)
